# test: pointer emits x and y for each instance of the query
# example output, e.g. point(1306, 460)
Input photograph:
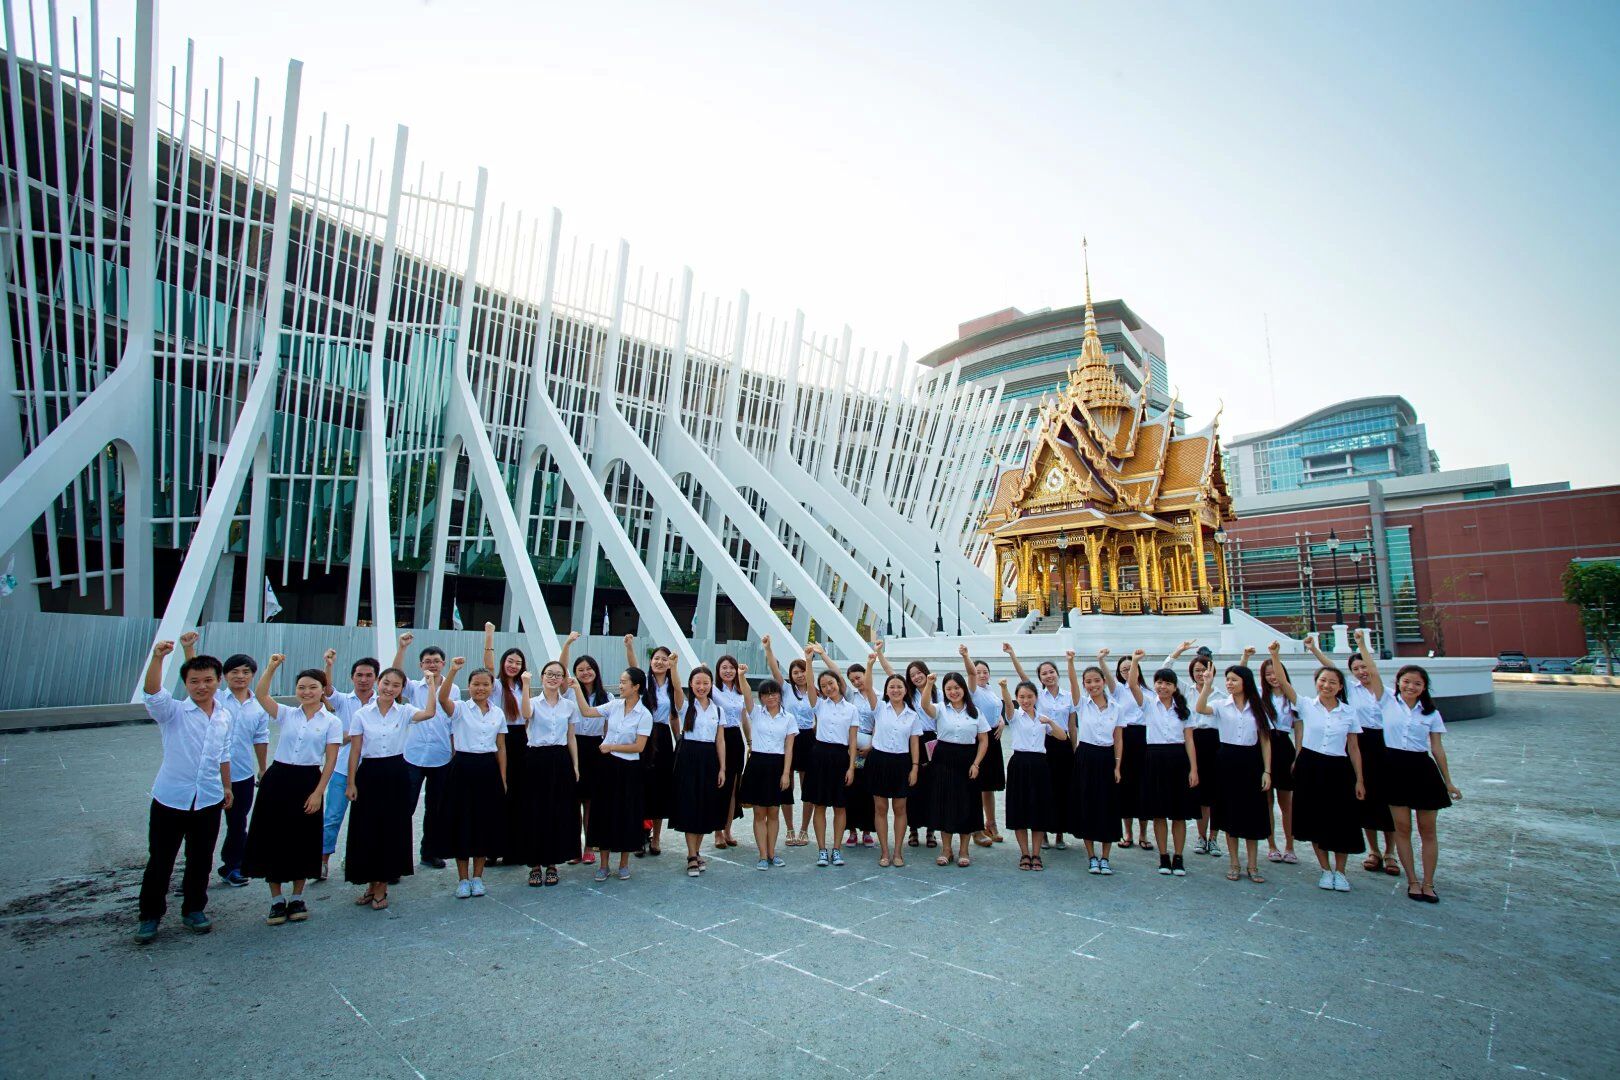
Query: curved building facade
point(1370, 438)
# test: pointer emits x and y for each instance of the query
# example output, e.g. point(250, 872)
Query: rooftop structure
point(1370, 438)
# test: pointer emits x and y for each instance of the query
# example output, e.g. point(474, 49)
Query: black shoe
point(296, 911)
point(278, 913)
point(1164, 863)
point(435, 863)
point(1177, 867)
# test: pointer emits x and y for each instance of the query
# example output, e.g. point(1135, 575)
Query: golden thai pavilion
point(1113, 512)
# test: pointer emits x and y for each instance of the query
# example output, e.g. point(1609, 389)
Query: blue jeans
point(337, 804)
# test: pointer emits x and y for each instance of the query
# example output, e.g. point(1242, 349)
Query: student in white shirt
point(587, 675)
point(1375, 813)
point(1418, 777)
point(963, 735)
point(1130, 763)
point(658, 765)
point(377, 850)
point(1169, 764)
point(193, 785)
point(428, 751)
point(1243, 719)
point(796, 700)
point(615, 823)
point(1059, 704)
point(893, 762)
point(1283, 750)
point(552, 828)
point(993, 770)
point(919, 804)
point(1207, 743)
point(475, 806)
point(767, 783)
point(832, 769)
point(859, 816)
point(363, 675)
point(250, 737)
point(1099, 737)
point(728, 694)
point(1327, 772)
point(284, 840)
point(508, 670)
point(1029, 783)
point(700, 769)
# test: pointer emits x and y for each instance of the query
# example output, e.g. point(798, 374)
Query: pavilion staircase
point(1047, 624)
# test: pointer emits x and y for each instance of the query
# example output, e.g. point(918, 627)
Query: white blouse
point(474, 729)
point(660, 714)
point(621, 728)
point(798, 705)
point(1365, 705)
point(892, 731)
point(1165, 727)
point(383, 734)
point(1097, 725)
point(704, 722)
point(1127, 703)
point(771, 733)
point(549, 724)
point(592, 725)
point(987, 700)
point(304, 739)
point(1199, 720)
point(1028, 732)
point(1058, 706)
point(1404, 728)
point(954, 725)
point(731, 705)
point(834, 719)
point(1284, 720)
point(863, 710)
point(922, 717)
point(1236, 725)
point(497, 695)
point(1324, 731)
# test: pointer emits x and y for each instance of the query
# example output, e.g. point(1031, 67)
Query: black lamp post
point(1338, 597)
point(1355, 561)
point(1226, 588)
point(958, 607)
point(939, 595)
point(1310, 598)
point(888, 599)
point(1063, 574)
point(902, 602)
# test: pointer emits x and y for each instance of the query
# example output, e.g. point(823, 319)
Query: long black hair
point(509, 687)
point(1034, 691)
point(967, 698)
point(1260, 704)
point(691, 698)
point(1343, 696)
point(1425, 701)
point(913, 693)
point(638, 679)
point(905, 690)
point(1166, 675)
point(736, 676)
point(598, 694)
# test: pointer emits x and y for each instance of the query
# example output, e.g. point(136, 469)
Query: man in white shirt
point(193, 785)
point(428, 751)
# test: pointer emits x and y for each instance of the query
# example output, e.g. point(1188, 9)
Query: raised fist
point(189, 637)
point(573, 636)
point(163, 648)
point(458, 661)
point(277, 659)
point(330, 655)
point(405, 639)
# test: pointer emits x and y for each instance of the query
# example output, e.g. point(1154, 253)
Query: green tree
point(1594, 588)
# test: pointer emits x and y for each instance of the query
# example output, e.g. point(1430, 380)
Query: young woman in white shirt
point(1169, 781)
point(893, 762)
point(551, 826)
point(1375, 814)
point(963, 735)
point(616, 819)
point(728, 694)
point(1099, 729)
point(283, 840)
point(919, 803)
point(767, 783)
point(700, 769)
point(1417, 775)
point(658, 766)
point(1130, 762)
point(1029, 781)
point(508, 671)
point(587, 677)
point(1243, 719)
point(1272, 675)
point(475, 800)
point(1207, 743)
point(1327, 771)
point(378, 849)
point(832, 769)
point(859, 818)
point(796, 700)
point(993, 770)
point(1059, 704)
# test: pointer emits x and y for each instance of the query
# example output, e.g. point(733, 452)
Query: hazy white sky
point(1420, 197)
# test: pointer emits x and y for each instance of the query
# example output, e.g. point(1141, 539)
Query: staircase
point(1046, 624)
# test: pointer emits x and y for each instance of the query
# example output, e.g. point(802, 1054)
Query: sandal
point(1373, 863)
point(913, 841)
point(933, 843)
point(983, 840)
point(692, 866)
point(537, 878)
point(1023, 862)
point(654, 851)
point(943, 860)
point(1035, 863)
point(963, 860)
point(884, 862)
point(1290, 858)
point(1273, 855)
point(1255, 876)
point(1145, 844)
point(551, 875)
point(364, 898)
point(1125, 843)
point(998, 838)
point(1392, 867)
point(378, 903)
point(897, 861)
point(1233, 875)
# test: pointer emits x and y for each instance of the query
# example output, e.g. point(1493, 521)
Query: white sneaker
point(478, 886)
point(1340, 882)
point(1326, 881)
point(463, 889)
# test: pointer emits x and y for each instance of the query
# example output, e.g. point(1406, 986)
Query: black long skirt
point(1060, 756)
point(919, 800)
point(1240, 806)
point(517, 795)
point(615, 805)
point(1207, 748)
point(551, 828)
point(957, 807)
point(1029, 792)
point(1130, 771)
point(993, 769)
point(283, 842)
point(589, 748)
point(1375, 807)
point(801, 755)
point(1411, 779)
point(888, 775)
point(1165, 792)
point(1094, 795)
point(700, 800)
point(1325, 806)
point(736, 752)
point(859, 815)
point(658, 774)
point(378, 847)
point(824, 782)
point(1282, 761)
point(762, 781)
point(475, 808)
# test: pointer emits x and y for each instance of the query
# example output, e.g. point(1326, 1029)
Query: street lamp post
point(1063, 573)
point(1361, 617)
point(939, 595)
point(1226, 588)
point(958, 607)
point(1338, 597)
point(888, 599)
point(1310, 598)
point(902, 601)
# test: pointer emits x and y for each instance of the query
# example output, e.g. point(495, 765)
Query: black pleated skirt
point(1029, 792)
point(589, 748)
point(1130, 771)
point(993, 769)
point(1326, 812)
point(1165, 793)
point(474, 807)
point(888, 775)
point(824, 782)
point(801, 751)
point(658, 774)
point(616, 805)
point(1375, 807)
point(551, 825)
point(1282, 761)
point(1207, 748)
point(1094, 795)
point(736, 754)
point(859, 815)
point(1411, 779)
point(700, 800)
point(957, 807)
point(762, 781)
point(1060, 755)
point(283, 842)
point(1240, 806)
point(517, 796)
point(378, 847)
point(919, 802)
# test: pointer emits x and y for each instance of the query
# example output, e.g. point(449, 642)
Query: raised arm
point(1006, 647)
point(154, 669)
point(677, 696)
point(1074, 677)
point(1284, 686)
point(188, 644)
point(443, 696)
point(431, 709)
point(770, 660)
point(926, 698)
point(810, 684)
point(562, 657)
point(747, 693)
point(526, 705)
point(1179, 649)
point(882, 657)
point(1109, 682)
point(405, 640)
point(1133, 676)
point(630, 657)
point(1375, 681)
point(870, 689)
point(1248, 654)
point(489, 648)
point(1006, 698)
point(826, 662)
point(967, 665)
point(1321, 657)
point(1202, 706)
point(262, 691)
point(585, 708)
point(330, 657)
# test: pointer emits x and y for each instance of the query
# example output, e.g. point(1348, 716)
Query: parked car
point(1556, 667)
point(1592, 664)
point(1511, 661)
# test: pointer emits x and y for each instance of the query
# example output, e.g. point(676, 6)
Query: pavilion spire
point(1093, 379)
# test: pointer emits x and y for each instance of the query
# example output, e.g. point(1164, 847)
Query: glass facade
point(1359, 440)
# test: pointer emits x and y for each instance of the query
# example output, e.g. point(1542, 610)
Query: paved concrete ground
point(859, 971)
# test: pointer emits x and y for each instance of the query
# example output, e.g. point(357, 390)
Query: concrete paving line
point(1101, 1053)
point(380, 1037)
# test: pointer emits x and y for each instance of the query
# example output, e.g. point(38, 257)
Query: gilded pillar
point(1198, 556)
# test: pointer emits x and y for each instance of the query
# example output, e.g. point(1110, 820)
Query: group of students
point(567, 773)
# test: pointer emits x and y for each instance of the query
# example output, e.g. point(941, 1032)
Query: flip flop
point(1290, 858)
point(1145, 844)
point(379, 903)
point(1256, 877)
point(983, 841)
point(363, 899)
point(884, 862)
point(897, 861)
point(1126, 844)
point(1274, 856)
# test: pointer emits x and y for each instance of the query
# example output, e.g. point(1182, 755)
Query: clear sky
point(1420, 197)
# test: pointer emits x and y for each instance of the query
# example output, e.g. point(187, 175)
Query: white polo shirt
point(194, 745)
